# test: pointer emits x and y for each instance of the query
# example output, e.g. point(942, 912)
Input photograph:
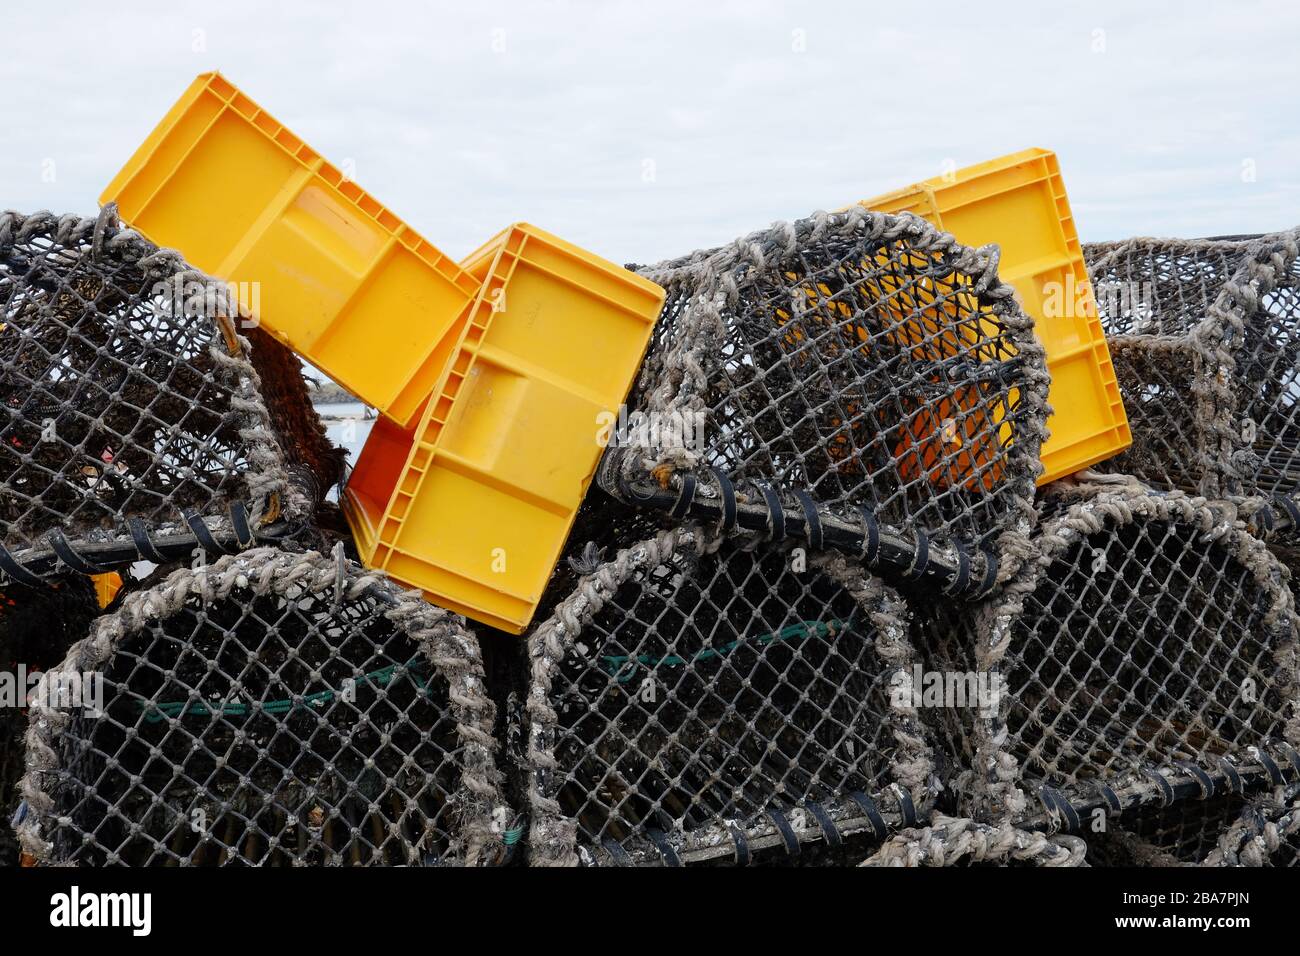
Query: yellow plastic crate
point(1019, 203)
point(332, 273)
point(474, 505)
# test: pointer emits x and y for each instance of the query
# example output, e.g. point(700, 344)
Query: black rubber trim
point(685, 498)
point(990, 572)
point(775, 514)
point(244, 537)
point(921, 562)
point(743, 855)
point(16, 571)
point(961, 577)
point(727, 492)
point(1291, 508)
point(788, 836)
point(1166, 790)
point(1234, 779)
point(1056, 804)
point(59, 542)
point(615, 849)
point(1270, 765)
point(1205, 781)
point(660, 840)
point(833, 837)
point(872, 813)
point(202, 533)
point(870, 537)
point(812, 522)
point(906, 808)
point(1110, 797)
point(1293, 758)
point(143, 544)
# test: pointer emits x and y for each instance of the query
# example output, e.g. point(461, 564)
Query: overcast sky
point(645, 130)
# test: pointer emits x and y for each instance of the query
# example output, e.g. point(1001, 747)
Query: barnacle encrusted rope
point(694, 698)
point(1266, 829)
point(125, 388)
point(958, 841)
point(866, 358)
point(215, 594)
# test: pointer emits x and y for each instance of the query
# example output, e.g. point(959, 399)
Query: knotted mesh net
point(694, 700)
point(1204, 338)
point(1149, 650)
point(952, 841)
point(124, 389)
point(864, 358)
point(37, 625)
point(269, 709)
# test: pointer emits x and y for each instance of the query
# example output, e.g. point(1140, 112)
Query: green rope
point(615, 663)
point(153, 713)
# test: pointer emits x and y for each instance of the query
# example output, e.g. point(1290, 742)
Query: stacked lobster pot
point(245, 700)
point(863, 402)
point(1145, 662)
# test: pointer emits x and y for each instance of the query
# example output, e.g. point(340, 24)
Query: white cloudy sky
point(466, 116)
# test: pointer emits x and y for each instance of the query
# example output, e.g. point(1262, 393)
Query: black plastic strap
point(743, 856)
point(142, 542)
point(727, 492)
point(1234, 778)
point(16, 571)
point(990, 572)
point(961, 577)
point(824, 821)
point(870, 537)
point(872, 813)
point(1266, 519)
point(1057, 805)
point(1289, 752)
point(775, 515)
point(685, 498)
point(615, 849)
point(660, 840)
point(906, 808)
point(206, 541)
point(812, 522)
point(1291, 508)
point(1203, 779)
point(1111, 798)
point(788, 835)
point(921, 563)
point(1166, 791)
point(239, 521)
point(1269, 764)
point(59, 542)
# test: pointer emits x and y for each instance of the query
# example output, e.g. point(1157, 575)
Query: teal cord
point(153, 713)
point(617, 663)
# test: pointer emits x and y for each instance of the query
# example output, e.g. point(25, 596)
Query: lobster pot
point(968, 843)
point(37, 625)
point(1146, 654)
point(864, 359)
point(270, 709)
point(1204, 335)
point(124, 388)
point(693, 700)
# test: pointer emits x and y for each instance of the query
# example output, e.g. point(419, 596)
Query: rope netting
point(268, 709)
point(693, 700)
point(37, 626)
point(1149, 651)
point(1205, 337)
point(1266, 833)
point(866, 360)
point(951, 841)
point(125, 388)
